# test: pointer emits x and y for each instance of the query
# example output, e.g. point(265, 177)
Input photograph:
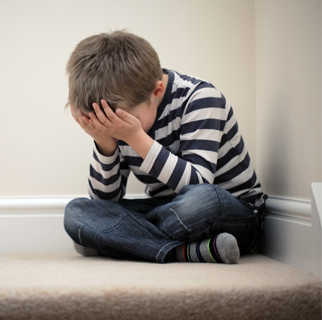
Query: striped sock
point(222, 248)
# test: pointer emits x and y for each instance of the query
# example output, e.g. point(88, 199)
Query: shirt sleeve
point(107, 176)
point(202, 124)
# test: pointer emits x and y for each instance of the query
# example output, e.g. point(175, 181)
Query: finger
point(86, 120)
point(82, 119)
point(94, 120)
point(108, 111)
point(125, 116)
point(101, 116)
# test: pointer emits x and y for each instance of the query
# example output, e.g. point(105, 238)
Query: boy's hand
point(120, 125)
point(105, 144)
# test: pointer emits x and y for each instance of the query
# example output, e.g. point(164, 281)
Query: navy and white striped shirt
point(196, 140)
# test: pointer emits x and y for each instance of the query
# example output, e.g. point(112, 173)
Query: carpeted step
point(69, 286)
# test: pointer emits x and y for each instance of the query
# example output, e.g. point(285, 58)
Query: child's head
point(120, 67)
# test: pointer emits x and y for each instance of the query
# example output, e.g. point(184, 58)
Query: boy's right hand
point(106, 144)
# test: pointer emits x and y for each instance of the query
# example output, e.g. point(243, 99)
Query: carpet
point(68, 286)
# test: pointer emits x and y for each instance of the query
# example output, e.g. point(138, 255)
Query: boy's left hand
point(122, 126)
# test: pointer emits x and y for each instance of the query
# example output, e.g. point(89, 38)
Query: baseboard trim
point(288, 233)
point(294, 208)
point(33, 205)
point(36, 205)
point(299, 209)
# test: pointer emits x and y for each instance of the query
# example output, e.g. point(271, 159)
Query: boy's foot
point(222, 248)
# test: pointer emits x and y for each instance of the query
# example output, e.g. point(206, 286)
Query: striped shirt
point(196, 140)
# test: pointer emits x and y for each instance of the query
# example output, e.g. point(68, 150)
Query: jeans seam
point(79, 235)
point(180, 221)
point(219, 198)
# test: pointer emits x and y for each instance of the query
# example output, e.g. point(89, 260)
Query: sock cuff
point(213, 251)
point(184, 252)
point(193, 252)
point(200, 257)
point(179, 253)
point(204, 251)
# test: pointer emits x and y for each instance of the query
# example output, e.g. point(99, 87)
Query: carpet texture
point(69, 286)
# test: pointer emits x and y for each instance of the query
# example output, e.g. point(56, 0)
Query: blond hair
point(119, 67)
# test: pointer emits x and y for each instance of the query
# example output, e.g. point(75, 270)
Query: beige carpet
point(68, 286)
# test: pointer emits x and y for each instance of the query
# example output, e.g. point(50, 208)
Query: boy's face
point(146, 112)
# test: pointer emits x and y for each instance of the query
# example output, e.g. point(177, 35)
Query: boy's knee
point(72, 211)
point(75, 205)
point(192, 198)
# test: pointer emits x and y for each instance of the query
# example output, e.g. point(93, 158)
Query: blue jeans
point(147, 229)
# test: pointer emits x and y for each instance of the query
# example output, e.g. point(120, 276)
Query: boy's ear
point(159, 89)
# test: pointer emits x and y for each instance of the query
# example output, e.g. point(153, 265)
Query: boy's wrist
point(106, 148)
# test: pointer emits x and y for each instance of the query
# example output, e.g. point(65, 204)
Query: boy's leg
point(205, 211)
point(116, 230)
point(197, 213)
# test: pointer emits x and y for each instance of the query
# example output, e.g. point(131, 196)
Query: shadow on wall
point(278, 149)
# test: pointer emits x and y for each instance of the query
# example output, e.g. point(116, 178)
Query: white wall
point(288, 95)
point(43, 152)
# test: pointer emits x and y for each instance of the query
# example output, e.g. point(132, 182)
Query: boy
point(179, 136)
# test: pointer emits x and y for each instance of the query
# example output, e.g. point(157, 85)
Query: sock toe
point(227, 247)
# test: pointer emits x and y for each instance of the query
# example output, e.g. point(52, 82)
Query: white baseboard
point(287, 232)
point(317, 228)
point(289, 236)
point(36, 225)
point(293, 208)
point(33, 225)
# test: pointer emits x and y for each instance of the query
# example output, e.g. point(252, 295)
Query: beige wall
point(288, 95)
point(265, 56)
point(43, 152)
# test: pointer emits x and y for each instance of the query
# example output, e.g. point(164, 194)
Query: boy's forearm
point(141, 143)
point(102, 169)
